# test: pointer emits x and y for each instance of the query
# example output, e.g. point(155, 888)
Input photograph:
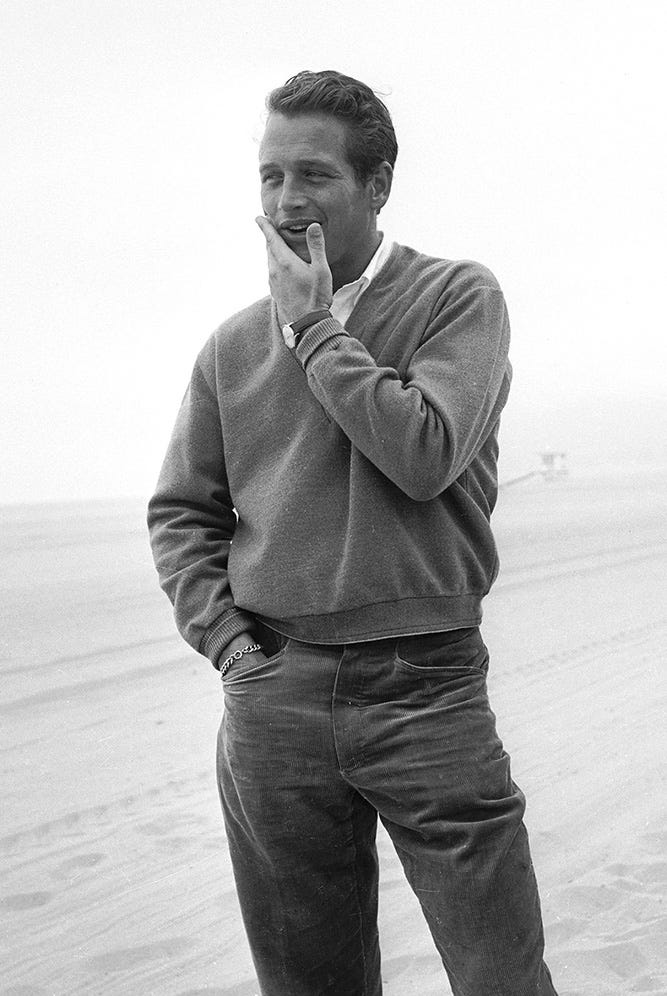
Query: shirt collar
point(376, 262)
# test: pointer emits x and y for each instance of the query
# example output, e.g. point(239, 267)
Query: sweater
point(340, 492)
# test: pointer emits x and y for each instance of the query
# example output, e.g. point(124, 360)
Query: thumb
point(315, 242)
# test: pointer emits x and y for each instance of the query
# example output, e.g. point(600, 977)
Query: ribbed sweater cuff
point(222, 632)
point(322, 337)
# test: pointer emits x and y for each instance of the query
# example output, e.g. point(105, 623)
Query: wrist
point(240, 641)
point(326, 336)
point(230, 656)
point(292, 331)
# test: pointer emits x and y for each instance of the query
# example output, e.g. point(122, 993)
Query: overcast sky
point(531, 137)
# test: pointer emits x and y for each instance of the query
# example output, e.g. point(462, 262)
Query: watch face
point(288, 336)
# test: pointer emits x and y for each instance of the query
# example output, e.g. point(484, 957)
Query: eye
point(270, 177)
point(314, 174)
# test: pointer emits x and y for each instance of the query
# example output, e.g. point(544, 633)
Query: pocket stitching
point(440, 668)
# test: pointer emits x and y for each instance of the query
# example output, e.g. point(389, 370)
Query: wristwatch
point(293, 331)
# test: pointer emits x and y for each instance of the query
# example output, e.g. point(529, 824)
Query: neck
point(348, 270)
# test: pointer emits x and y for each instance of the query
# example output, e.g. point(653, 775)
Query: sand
point(115, 877)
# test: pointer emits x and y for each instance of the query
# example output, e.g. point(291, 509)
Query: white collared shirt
point(346, 297)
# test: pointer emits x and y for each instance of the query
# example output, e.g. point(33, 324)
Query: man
point(321, 525)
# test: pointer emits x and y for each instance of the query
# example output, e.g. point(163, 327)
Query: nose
point(292, 195)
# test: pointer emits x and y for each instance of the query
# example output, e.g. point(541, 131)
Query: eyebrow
point(320, 163)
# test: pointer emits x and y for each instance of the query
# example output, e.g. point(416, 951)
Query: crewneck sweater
point(340, 492)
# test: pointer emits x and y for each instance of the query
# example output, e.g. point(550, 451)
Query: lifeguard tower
point(552, 467)
point(553, 464)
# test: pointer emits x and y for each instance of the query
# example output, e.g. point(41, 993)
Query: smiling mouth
point(295, 227)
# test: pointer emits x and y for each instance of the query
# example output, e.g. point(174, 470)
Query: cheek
point(268, 199)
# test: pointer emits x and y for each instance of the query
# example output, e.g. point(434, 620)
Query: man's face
point(306, 176)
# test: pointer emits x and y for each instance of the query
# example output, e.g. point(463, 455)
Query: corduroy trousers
point(318, 742)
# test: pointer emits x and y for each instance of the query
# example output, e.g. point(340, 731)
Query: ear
point(379, 185)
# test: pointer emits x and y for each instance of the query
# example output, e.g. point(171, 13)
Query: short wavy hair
point(371, 138)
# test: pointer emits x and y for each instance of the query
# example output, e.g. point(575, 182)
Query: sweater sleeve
point(191, 521)
point(424, 429)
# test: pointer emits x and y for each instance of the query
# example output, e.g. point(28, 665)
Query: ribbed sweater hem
point(320, 338)
point(222, 632)
point(406, 617)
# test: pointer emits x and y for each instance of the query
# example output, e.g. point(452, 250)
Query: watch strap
point(312, 318)
point(293, 331)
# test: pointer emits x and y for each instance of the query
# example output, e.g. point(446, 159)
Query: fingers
point(315, 242)
point(270, 234)
point(276, 247)
point(297, 286)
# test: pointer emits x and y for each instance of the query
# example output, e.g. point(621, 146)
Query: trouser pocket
point(459, 650)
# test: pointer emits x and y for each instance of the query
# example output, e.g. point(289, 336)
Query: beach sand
point(115, 876)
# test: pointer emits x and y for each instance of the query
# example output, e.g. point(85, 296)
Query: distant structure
point(552, 467)
point(553, 464)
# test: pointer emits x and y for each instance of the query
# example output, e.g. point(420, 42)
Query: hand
point(238, 643)
point(242, 640)
point(297, 287)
